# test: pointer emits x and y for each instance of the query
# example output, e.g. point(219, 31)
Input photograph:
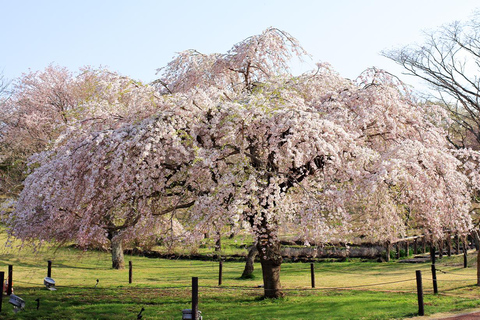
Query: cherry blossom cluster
point(235, 140)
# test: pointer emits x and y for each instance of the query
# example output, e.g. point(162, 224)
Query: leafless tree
point(4, 96)
point(449, 61)
point(4, 92)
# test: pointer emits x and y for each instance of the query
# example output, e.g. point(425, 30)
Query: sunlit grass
point(344, 290)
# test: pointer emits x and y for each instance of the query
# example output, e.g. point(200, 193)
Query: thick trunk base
point(118, 260)
point(271, 260)
point(271, 280)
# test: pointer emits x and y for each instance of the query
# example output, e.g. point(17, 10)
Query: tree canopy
point(247, 143)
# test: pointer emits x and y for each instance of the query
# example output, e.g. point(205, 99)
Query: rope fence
point(156, 282)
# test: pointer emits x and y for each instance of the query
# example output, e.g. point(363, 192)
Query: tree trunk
point(218, 244)
point(458, 244)
point(249, 264)
point(271, 260)
point(118, 261)
point(449, 244)
point(476, 238)
point(387, 251)
point(432, 252)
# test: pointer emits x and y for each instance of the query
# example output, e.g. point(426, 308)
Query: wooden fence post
point(49, 268)
point(130, 271)
point(415, 246)
point(2, 280)
point(421, 310)
point(407, 249)
point(10, 280)
point(194, 298)
point(220, 272)
point(312, 274)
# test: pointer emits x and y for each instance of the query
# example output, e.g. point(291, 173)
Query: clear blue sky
point(137, 37)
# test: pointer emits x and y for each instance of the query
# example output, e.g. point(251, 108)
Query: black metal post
point(312, 274)
point(10, 279)
point(220, 272)
point(49, 269)
point(421, 310)
point(2, 281)
point(130, 272)
point(194, 298)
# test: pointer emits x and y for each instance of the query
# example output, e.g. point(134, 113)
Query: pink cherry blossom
point(235, 140)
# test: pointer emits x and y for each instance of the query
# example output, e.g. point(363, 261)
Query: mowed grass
point(344, 290)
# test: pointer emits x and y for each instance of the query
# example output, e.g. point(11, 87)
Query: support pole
point(130, 272)
point(10, 279)
point(312, 274)
point(2, 280)
point(194, 298)
point(421, 310)
point(49, 269)
point(220, 272)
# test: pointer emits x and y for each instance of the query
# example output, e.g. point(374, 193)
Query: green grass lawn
point(344, 290)
point(125, 303)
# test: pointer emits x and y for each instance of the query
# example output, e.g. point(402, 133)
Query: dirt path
point(465, 316)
